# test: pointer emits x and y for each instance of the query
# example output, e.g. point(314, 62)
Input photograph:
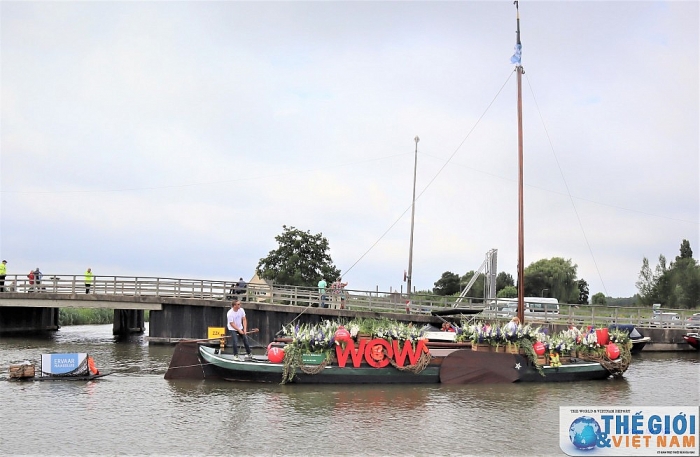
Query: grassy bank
point(88, 316)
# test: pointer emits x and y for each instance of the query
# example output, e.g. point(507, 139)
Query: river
point(135, 411)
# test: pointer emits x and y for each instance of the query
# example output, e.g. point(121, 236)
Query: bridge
point(185, 308)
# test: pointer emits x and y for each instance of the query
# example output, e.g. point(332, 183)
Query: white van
point(508, 307)
point(541, 305)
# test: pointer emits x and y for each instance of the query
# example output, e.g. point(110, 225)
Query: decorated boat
point(392, 352)
point(693, 339)
point(58, 367)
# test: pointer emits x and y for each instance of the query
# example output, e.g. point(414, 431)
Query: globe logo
point(584, 432)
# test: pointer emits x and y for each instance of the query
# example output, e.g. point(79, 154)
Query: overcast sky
point(175, 139)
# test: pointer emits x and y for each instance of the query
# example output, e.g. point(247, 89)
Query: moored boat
point(58, 367)
point(693, 339)
point(638, 340)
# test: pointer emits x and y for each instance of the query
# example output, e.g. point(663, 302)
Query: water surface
point(135, 411)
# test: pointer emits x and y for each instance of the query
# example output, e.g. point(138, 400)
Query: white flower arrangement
point(561, 343)
point(621, 337)
point(572, 333)
point(399, 331)
point(313, 338)
point(590, 340)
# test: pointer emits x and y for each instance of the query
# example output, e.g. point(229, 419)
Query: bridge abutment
point(15, 320)
point(128, 321)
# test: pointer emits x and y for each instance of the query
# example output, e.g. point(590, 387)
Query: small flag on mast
point(515, 59)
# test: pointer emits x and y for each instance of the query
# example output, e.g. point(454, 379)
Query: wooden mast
point(521, 232)
point(409, 276)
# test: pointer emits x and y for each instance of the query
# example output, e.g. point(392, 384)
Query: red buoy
point(275, 355)
point(342, 335)
point(539, 348)
point(613, 351)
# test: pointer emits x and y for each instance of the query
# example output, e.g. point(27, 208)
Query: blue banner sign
point(61, 364)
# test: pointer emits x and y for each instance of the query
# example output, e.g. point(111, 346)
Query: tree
point(662, 288)
point(684, 279)
point(676, 285)
point(599, 299)
point(555, 274)
point(508, 292)
point(301, 259)
point(582, 292)
point(646, 282)
point(448, 284)
point(686, 252)
point(503, 280)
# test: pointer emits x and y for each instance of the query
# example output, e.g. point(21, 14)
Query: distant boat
point(693, 339)
point(638, 340)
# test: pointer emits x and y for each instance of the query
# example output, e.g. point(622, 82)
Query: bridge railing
point(226, 290)
point(122, 285)
point(357, 300)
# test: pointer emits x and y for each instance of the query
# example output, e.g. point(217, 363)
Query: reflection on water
point(136, 411)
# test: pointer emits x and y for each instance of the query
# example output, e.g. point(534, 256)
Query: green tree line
point(88, 316)
point(674, 285)
point(303, 258)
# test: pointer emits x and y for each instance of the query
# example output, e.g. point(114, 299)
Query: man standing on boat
point(237, 327)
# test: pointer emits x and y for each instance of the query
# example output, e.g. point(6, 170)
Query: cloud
point(175, 139)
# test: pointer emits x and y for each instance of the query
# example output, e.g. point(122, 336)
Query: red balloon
point(275, 355)
point(539, 348)
point(613, 351)
point(342, 335)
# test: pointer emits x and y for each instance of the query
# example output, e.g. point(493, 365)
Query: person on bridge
point(37, 278)
point(31, 280)
point(3, 273)
point(322, 291)
point(88, 280)
point(241, 287)
point(237, 327)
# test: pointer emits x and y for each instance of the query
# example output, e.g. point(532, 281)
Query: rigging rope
point(566, 185)
point(449, 159)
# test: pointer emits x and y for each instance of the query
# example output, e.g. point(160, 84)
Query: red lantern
point(613, 351)
point(342, 335)
point(539, 348)
point(275, 355)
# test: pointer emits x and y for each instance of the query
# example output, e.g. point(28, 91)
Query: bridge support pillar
point(128, 321)
point(28, 320)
